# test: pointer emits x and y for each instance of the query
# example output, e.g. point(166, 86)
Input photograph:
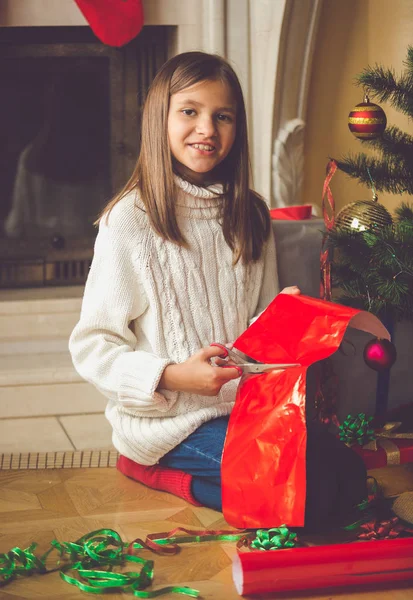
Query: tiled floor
point(53, 434)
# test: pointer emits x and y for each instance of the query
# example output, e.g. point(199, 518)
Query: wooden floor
point(43, 504)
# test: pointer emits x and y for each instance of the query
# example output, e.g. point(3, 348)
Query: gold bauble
point(362, 215)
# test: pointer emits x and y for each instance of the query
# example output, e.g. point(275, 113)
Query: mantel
point(196, 28)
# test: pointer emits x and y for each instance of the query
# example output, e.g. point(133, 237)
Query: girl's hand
point(197, 375)
point(293, 290)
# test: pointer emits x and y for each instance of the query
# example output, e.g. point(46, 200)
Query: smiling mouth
point(204, 147)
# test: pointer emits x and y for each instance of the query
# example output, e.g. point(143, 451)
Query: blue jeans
point(200, 455)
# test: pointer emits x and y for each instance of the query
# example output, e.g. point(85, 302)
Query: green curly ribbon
point(167, 543)
point(274, 539)
point(88, 565)
point(357, 430)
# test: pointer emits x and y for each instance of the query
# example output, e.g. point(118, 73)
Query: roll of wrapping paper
point(320, 567)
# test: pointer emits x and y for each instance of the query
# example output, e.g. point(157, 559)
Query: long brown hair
point(245, 216)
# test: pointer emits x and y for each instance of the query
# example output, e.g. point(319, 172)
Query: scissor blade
point(262, 367)
point(240, 357)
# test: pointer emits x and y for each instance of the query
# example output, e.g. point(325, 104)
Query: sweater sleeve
point(102, 344)
point(269, 286)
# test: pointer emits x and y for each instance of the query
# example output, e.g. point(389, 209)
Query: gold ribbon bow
point(383, 440)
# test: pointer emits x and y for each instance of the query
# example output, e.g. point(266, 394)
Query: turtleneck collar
point(198, 202)
point(211, 191)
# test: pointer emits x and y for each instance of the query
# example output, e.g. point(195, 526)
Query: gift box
point(298, 244)
point(381, 442)
point(292, 213)
point(389, 452)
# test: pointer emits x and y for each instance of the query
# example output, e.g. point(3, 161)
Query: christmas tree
point(372, 257)
point(373, 269)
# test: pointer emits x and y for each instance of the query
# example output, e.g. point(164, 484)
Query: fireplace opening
point(70, 123)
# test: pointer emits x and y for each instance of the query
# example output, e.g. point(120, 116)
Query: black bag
point(336, 480)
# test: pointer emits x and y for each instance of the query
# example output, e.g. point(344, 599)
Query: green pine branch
point(382, 85)
point(409, 60)
point(388, 174)
point(394, 142)
point(373, 269)
point(404, 212)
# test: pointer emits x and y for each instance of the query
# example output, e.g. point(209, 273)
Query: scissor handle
point(223, 348)
point(225, 355)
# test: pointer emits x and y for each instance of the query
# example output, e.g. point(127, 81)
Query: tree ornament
point(367, 120)
point(363, 214)
point(379, 354)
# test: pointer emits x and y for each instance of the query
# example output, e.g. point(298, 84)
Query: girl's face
point(201, 128)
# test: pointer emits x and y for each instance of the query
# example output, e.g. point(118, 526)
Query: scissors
point(248, 364)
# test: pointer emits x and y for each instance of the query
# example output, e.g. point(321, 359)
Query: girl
point(184, 257)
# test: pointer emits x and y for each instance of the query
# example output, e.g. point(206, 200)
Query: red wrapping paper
point(357, 564)
point(375, 459)
point(263, 465)
point(292, 213)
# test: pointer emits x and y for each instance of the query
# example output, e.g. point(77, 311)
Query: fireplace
point(70, 122)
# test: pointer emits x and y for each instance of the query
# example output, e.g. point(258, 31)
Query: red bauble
point(379, 354)
point(367, 120)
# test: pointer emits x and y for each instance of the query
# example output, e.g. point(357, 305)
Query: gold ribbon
point(383, 440)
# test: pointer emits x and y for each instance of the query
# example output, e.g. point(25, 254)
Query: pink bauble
point(379, 354)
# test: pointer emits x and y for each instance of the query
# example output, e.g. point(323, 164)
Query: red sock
point(159, 478)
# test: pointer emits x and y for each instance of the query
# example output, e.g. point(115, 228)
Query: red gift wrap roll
point(320, 567)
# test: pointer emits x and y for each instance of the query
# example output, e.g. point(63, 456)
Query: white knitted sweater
point(148, 303)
